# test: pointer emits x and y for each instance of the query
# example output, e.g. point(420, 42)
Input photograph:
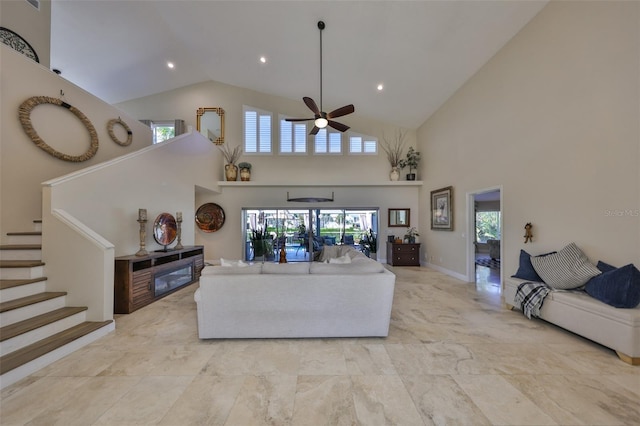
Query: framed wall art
point(442, 209)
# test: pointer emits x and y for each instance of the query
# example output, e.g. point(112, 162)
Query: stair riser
point(21, 314)
point(24, 239)
point(23, 371)
point(22, 291)
point(21, 254)
point(21, 273)
point(43, 332)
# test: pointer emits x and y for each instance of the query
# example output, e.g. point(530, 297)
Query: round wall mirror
point(165, 229)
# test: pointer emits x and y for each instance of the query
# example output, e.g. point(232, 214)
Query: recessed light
point(170, 65)
point(263, 59)
point(380, 87)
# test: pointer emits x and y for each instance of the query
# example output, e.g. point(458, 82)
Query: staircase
point(36, 326)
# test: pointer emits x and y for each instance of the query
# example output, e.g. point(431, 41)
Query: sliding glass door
point(302, 233)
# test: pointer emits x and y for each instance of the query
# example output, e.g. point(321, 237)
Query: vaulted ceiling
point(421, 51)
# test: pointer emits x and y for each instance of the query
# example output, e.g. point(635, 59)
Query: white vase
point(394, 174)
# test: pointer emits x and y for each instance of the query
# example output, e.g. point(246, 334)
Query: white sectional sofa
point(292, 300)
point(576, 311)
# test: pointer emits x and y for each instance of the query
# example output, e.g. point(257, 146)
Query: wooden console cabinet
point(403, 254)
point(145, 279)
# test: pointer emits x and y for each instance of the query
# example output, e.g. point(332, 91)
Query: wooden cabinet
point(145, 279)
point(403, 254)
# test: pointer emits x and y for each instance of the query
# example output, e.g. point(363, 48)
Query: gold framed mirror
point(399, 218)
point(210, 122)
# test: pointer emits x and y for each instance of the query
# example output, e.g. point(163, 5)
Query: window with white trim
point(328, 141)
point(257, 130)
point(293, 137)
point(362, 144)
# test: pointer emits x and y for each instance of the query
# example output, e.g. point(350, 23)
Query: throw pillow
point(567, 269)
point(617, 287)
point(525, 269)
point(228, 263)
point(605, 267)
point(328, 252)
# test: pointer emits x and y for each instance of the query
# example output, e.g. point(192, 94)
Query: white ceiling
point(422, 51)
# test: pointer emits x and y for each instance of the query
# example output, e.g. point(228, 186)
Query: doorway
point(484, 247)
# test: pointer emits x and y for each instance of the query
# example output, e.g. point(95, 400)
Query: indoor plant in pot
point(411, 234)
point(369, 244)
point(245, 171)
point(411, 160)
point(393, 149)
point(231, 155)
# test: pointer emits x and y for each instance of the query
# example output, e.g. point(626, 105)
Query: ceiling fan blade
point(347, 109)
point(312, 105)
point(299, 119)
point(338, 126)
point(315, 130)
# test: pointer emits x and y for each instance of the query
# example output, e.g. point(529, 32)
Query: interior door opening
point(302, 233)
point(484, 237)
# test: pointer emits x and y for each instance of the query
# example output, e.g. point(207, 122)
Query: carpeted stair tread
point(9, 331)
point(20, 263)
point(30, 300)
point(21, 247)
point(29, 353)
point(4, 284)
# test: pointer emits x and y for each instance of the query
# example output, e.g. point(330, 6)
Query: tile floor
point(454, 356)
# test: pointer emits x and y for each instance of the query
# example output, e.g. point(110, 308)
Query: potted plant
point(411, 160)
point(231, 155)
point(369, 244)
point(393, 149)
point(245, 171)
point(411, 234)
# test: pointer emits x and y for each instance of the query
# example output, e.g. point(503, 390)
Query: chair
point(494, 249)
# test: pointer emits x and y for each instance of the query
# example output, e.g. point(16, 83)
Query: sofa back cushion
point(353, 268)
point(286, 268)
point(249, 269)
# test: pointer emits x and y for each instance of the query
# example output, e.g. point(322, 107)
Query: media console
point(140, 280)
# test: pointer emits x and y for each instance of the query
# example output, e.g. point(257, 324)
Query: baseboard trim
point(446, 271)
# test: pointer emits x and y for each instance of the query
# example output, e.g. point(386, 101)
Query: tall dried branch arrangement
point(231, 155)
point(393, 148)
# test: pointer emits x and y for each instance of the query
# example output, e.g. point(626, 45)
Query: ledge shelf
point(334, 185)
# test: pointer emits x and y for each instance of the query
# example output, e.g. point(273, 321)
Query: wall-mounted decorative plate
point(210, 217)
point(17, 43)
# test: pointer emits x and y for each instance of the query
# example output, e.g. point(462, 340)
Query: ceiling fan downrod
point(321, 27)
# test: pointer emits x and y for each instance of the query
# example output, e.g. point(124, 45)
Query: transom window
point(257, 130)
point(362, 144)
point(328, 141)
point(293, 137)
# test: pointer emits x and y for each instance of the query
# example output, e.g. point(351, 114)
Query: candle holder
point(143, 235)
point(179, 231)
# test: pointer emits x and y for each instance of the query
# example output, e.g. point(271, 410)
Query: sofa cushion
point(525, 269)
point(227, 262)
point(617, 287)
point(250, 269)
point(567, 269)
point(354, 268)
point(286, 268)
point(341, 259)
point(329, 252)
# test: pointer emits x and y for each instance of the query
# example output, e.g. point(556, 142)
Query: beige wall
point(349, 176)
point(24, 166)
point(33, 25)
point(553, 119)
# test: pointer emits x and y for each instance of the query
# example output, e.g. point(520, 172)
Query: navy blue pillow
point(525, 269)
point(605, 267)
point(618, 287)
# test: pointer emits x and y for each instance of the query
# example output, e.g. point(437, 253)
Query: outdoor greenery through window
point(163, 131)
point(487, 226)
point(303, 232)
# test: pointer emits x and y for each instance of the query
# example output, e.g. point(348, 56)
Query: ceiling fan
point(321, 118)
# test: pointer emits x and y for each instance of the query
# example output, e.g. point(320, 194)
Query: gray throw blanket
point(531, 296)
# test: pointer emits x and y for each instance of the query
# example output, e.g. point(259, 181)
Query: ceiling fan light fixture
point(321, 122)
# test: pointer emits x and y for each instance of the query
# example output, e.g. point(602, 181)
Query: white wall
point(554, 119)
point(303, 173)
point(33, 25)
point(24, 166)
